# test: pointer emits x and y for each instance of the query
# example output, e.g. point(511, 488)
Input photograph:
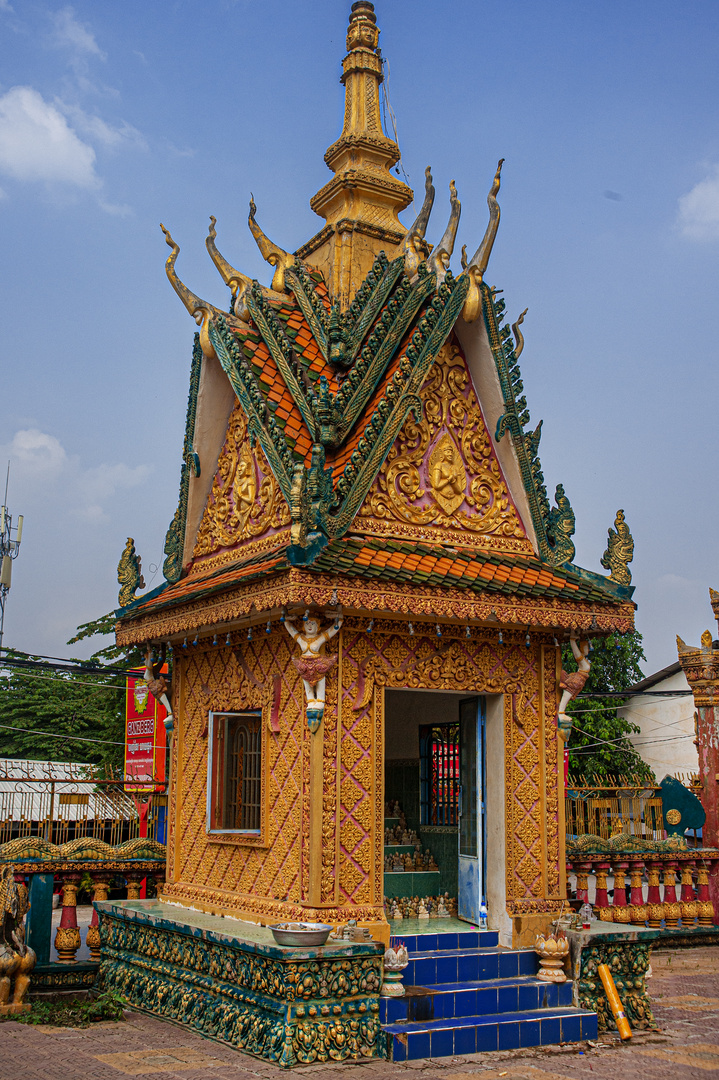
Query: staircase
point(465, 995)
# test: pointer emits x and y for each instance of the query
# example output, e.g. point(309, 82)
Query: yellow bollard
point(625, 1032)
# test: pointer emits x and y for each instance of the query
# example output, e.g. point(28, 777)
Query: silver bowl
point(300, 933)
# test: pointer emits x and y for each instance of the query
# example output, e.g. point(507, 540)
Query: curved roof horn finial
point(235, 280)
point(415, 248)
point(201, 311)
point(271, 253)
point(438, 261)
point(480, 260)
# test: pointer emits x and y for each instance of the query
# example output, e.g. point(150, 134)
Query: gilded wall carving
point(245, 501)
point(443, 472)
point(269, 867)
point(269, 876)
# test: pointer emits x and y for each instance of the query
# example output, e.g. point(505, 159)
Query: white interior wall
point(405, 712)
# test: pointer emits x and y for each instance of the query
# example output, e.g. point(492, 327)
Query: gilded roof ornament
point(477, 265)
point(620, 551)
point(561, 528)
point(271, 253)
point(202, 312)
point(438, 261)
point(129, 573)
point(415, 246)
point(239, 283)
point(518, 335)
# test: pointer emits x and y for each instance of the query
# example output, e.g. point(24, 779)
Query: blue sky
point(114, 117)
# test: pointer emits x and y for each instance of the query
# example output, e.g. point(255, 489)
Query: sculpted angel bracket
point(312, 663)
point(571, 684)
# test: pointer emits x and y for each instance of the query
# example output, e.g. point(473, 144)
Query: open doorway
point(444, 790)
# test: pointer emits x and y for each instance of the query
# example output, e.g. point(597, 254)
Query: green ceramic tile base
point(230, 981)
point(422, 884)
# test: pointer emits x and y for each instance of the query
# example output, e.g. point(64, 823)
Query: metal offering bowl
point(300, 933)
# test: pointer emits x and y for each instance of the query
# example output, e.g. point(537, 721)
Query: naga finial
point(561, 528)
point(201, 311)
point(478, 263)
point(129, 573)
point(235, 280)
point(438, 261)
point(271, 253)
point(620, 551)
point(415, 247)
point(518, 335)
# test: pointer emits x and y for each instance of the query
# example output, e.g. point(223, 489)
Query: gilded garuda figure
point(620, 551)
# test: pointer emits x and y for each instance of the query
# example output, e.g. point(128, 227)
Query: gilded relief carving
point(268, 878)
point(447, 475)
point(443, 470)
point(245, 500)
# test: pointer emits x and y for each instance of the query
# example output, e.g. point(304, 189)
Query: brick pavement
point(684, 990)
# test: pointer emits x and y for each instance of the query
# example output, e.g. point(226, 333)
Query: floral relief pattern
point(443, 471)
point(245, 501)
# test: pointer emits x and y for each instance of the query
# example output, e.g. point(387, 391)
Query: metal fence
point(606, 806)
point(61, 802)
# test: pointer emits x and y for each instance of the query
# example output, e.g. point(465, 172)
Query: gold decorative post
point(134, 883)
point(101, 887)
point(360, 204)
point(67, 938)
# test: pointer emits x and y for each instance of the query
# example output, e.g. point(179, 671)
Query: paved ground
point(684, 990)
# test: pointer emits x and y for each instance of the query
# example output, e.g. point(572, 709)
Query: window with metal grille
point(439, 774)
point(234, 789)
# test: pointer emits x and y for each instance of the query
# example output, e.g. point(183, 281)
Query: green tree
point(597, 726)
point(38, 706)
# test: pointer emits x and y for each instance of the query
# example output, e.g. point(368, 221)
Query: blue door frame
point(472, 804)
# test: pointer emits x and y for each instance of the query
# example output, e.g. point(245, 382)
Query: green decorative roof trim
point(175, 538)
point(387, 309)
point(554, 526)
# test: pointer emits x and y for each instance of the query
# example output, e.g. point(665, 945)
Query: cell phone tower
point(9, 550)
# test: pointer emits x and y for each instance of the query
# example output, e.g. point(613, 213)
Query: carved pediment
point(245, 502)
point(442, 474)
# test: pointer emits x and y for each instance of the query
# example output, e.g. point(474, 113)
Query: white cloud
point(37, 453)
point(699, 209)
point(45, 472)
point(38, 144)
point(5, 5)
point(97, 130)
point(68, 33)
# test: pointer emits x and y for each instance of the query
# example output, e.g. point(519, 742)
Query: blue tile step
point(469, 939)
point(451, 1000)
point(477, 1034)
point(468, 965)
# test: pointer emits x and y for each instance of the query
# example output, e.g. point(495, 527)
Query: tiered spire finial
point(361, 202)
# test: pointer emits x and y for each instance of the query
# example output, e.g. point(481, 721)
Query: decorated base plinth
point(229, 980)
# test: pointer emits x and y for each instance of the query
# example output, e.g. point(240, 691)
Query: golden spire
point(360, 204)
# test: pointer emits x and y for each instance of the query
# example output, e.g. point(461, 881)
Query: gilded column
point(701, 667)
point(101, 887)
point(67, 938)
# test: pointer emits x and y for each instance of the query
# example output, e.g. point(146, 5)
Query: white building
point(666, 723)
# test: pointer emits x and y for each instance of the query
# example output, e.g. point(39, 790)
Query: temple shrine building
point(367, 586)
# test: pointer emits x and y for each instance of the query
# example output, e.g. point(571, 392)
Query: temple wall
point(320, 852)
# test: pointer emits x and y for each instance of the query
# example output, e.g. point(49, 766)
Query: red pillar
point(701, 667)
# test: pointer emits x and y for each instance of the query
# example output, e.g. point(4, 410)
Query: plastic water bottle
point(482, 916)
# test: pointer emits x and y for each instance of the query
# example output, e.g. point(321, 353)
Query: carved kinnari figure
point(572, 683)
point(313, 665)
